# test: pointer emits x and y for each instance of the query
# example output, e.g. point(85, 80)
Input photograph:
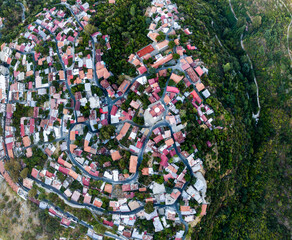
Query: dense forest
point(251, 193)
point(249, 187)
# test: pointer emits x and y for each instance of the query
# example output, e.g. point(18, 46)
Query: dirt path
point(230, 5)
point(254, 115)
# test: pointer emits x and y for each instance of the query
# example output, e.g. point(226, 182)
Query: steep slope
point(251, 200)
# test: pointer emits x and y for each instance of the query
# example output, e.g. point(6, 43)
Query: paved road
point(23, 11)
point(109, 102)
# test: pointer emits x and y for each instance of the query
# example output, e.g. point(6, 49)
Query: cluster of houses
point(59, 89)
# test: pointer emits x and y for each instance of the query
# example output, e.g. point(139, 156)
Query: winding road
point(256, 116)
point(110, 102)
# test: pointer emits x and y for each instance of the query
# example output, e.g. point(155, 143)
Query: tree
point(107, 131)
point(99, 228)
point(257, 22)
point(149, 208)
point(133, 10)
point(23, 173)
point(171, 44)
point(32, 192)
point(176, 56)
point(226, 67)
point(13, 167)
point(90, 29)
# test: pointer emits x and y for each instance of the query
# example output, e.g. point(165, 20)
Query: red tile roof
point(145, 50)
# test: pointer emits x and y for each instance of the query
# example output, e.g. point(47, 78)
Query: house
point(97, 202)
point(133, 164)
point(169, 142)
point(124, 86)
point(116, 155)
point(200, 87)
point(28, 183)
point(76, 195)
point(176, 78)
point(172, 89)
point(204, 208)
point(206, 93)
point(162, 45)
point(68, 193)
point(133, 205)
point(187, 31)
point(142, 69)
point(108, 188)
point(191, 73)
point(199, 71)
point(196, 96)
point(34, 173)
point(157, 224)
point(65, 222)
point(162, 61)
point(145, 50)
point(108, 223)
point(123, 131)
point(26, 141)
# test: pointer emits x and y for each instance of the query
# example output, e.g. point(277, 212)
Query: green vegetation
point(14, 167)
point(149, 207)
point(248, 177)
point(126, 24)
point(107, 131)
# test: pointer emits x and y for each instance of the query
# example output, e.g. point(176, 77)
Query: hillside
point(252, 200)
point(248, 170)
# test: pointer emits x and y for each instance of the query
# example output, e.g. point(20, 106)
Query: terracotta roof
point(73, 174)
point(176, 78)
point(204, 208)
point(116, 155)
point(199, 71)
point(169, 142)
point(192, 74)
point(26, 141)
point(124, 86)
point(166, 99)
point(153, 36)
point(123, 131)
point(162, 61)
point(162, 44)
point(108, 188)
point(133, 164)
point(200, 86)
point(8, 178)
point(145, 50)
point(34, 173)
point(72, 135)
point(185, 208)
point(97, 202)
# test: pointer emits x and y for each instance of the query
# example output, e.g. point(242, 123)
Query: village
point(109, 148)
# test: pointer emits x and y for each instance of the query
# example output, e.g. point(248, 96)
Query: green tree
point(171, 44)
point(99, 228)
point(256, 22)
point(32, 192)
point(149, 208)
point(13, 167)
point(107, 131)
point(23, 173)
point(227, 67)
point(90, 29)
point(176, 56)
point(133, 10)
